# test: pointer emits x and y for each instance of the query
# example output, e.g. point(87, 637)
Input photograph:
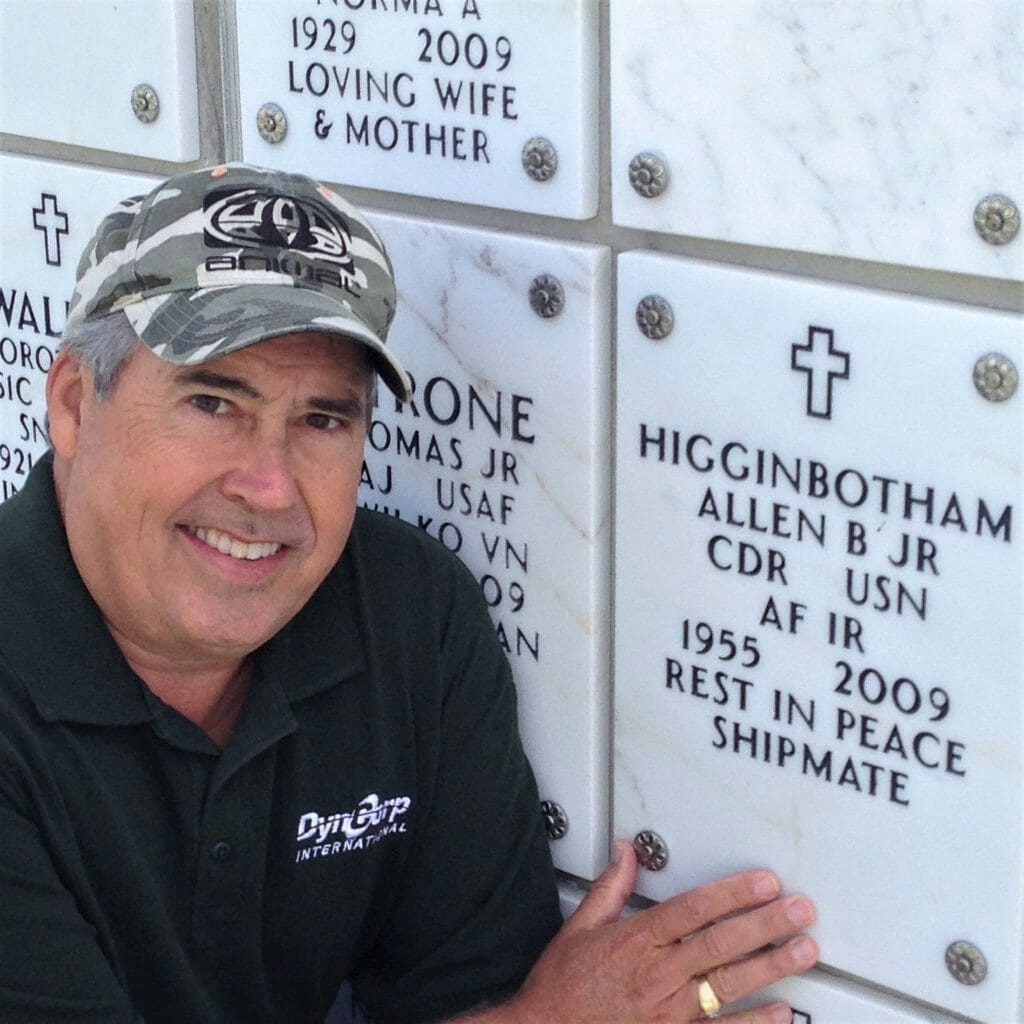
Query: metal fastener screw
point(540, 159)
point(997, 219)
point(271, 123)
point(547, 297)
point(995, 377)
point(556, 821)
point(966, 963)
point(145, 103)
point(648, 175)
point(654, 317)
point(650, 849)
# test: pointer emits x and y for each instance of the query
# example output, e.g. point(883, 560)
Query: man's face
point(204, 505)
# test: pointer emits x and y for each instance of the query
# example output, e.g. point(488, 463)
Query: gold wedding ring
point(710, 1004)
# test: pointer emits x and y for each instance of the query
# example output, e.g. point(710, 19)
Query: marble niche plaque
point(861, 129)
point(429, 97)
point(818, 613)
point(69, 71)
point(503, 455)
point(48, 211)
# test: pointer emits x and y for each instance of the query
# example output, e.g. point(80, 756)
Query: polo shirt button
point(221, 851)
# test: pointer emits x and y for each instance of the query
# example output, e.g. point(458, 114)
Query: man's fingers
point(608, 895)
point(735, 981)
point(737, 936)
point(730, 940)
point(678, 917)
point(769, 1013)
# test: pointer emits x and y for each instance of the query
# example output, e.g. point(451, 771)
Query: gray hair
point(103, 346)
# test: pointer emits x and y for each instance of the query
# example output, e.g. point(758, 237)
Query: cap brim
point(193, 327)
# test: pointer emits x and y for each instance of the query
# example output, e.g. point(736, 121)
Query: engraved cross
point(47, 217)
point(823, 363)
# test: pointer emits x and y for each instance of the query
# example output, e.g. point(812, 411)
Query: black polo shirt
point(372, 816)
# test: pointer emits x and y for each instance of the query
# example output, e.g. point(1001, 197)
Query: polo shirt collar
point(324, 644)
point(54, 637)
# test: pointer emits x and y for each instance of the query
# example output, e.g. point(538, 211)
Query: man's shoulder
point(399, 568)
point(386, 544)
point(28, 534)
point(18, 523)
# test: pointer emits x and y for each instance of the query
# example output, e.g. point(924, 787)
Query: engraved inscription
point(440, 105)
point(472, 443)
point(874, 723)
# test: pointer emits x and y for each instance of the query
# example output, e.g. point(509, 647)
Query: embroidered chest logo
point(370, 821)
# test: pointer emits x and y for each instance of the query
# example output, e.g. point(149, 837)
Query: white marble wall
point(862, 129)
point(503, 456)
point(812, 673)
point(48, 211)
point(429, 99)
point(845, 143)
point(69, 72)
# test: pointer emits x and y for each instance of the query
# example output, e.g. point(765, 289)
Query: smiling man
point(204, 508)
point(254, 741)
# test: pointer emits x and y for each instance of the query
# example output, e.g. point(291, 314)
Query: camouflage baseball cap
point(216, 259)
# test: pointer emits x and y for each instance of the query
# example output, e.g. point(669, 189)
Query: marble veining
point(533, 526)
point(863, 129)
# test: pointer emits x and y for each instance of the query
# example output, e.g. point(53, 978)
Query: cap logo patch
point(215, 259)
point(260, 218)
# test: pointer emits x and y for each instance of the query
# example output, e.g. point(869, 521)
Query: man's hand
point(648, 968)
